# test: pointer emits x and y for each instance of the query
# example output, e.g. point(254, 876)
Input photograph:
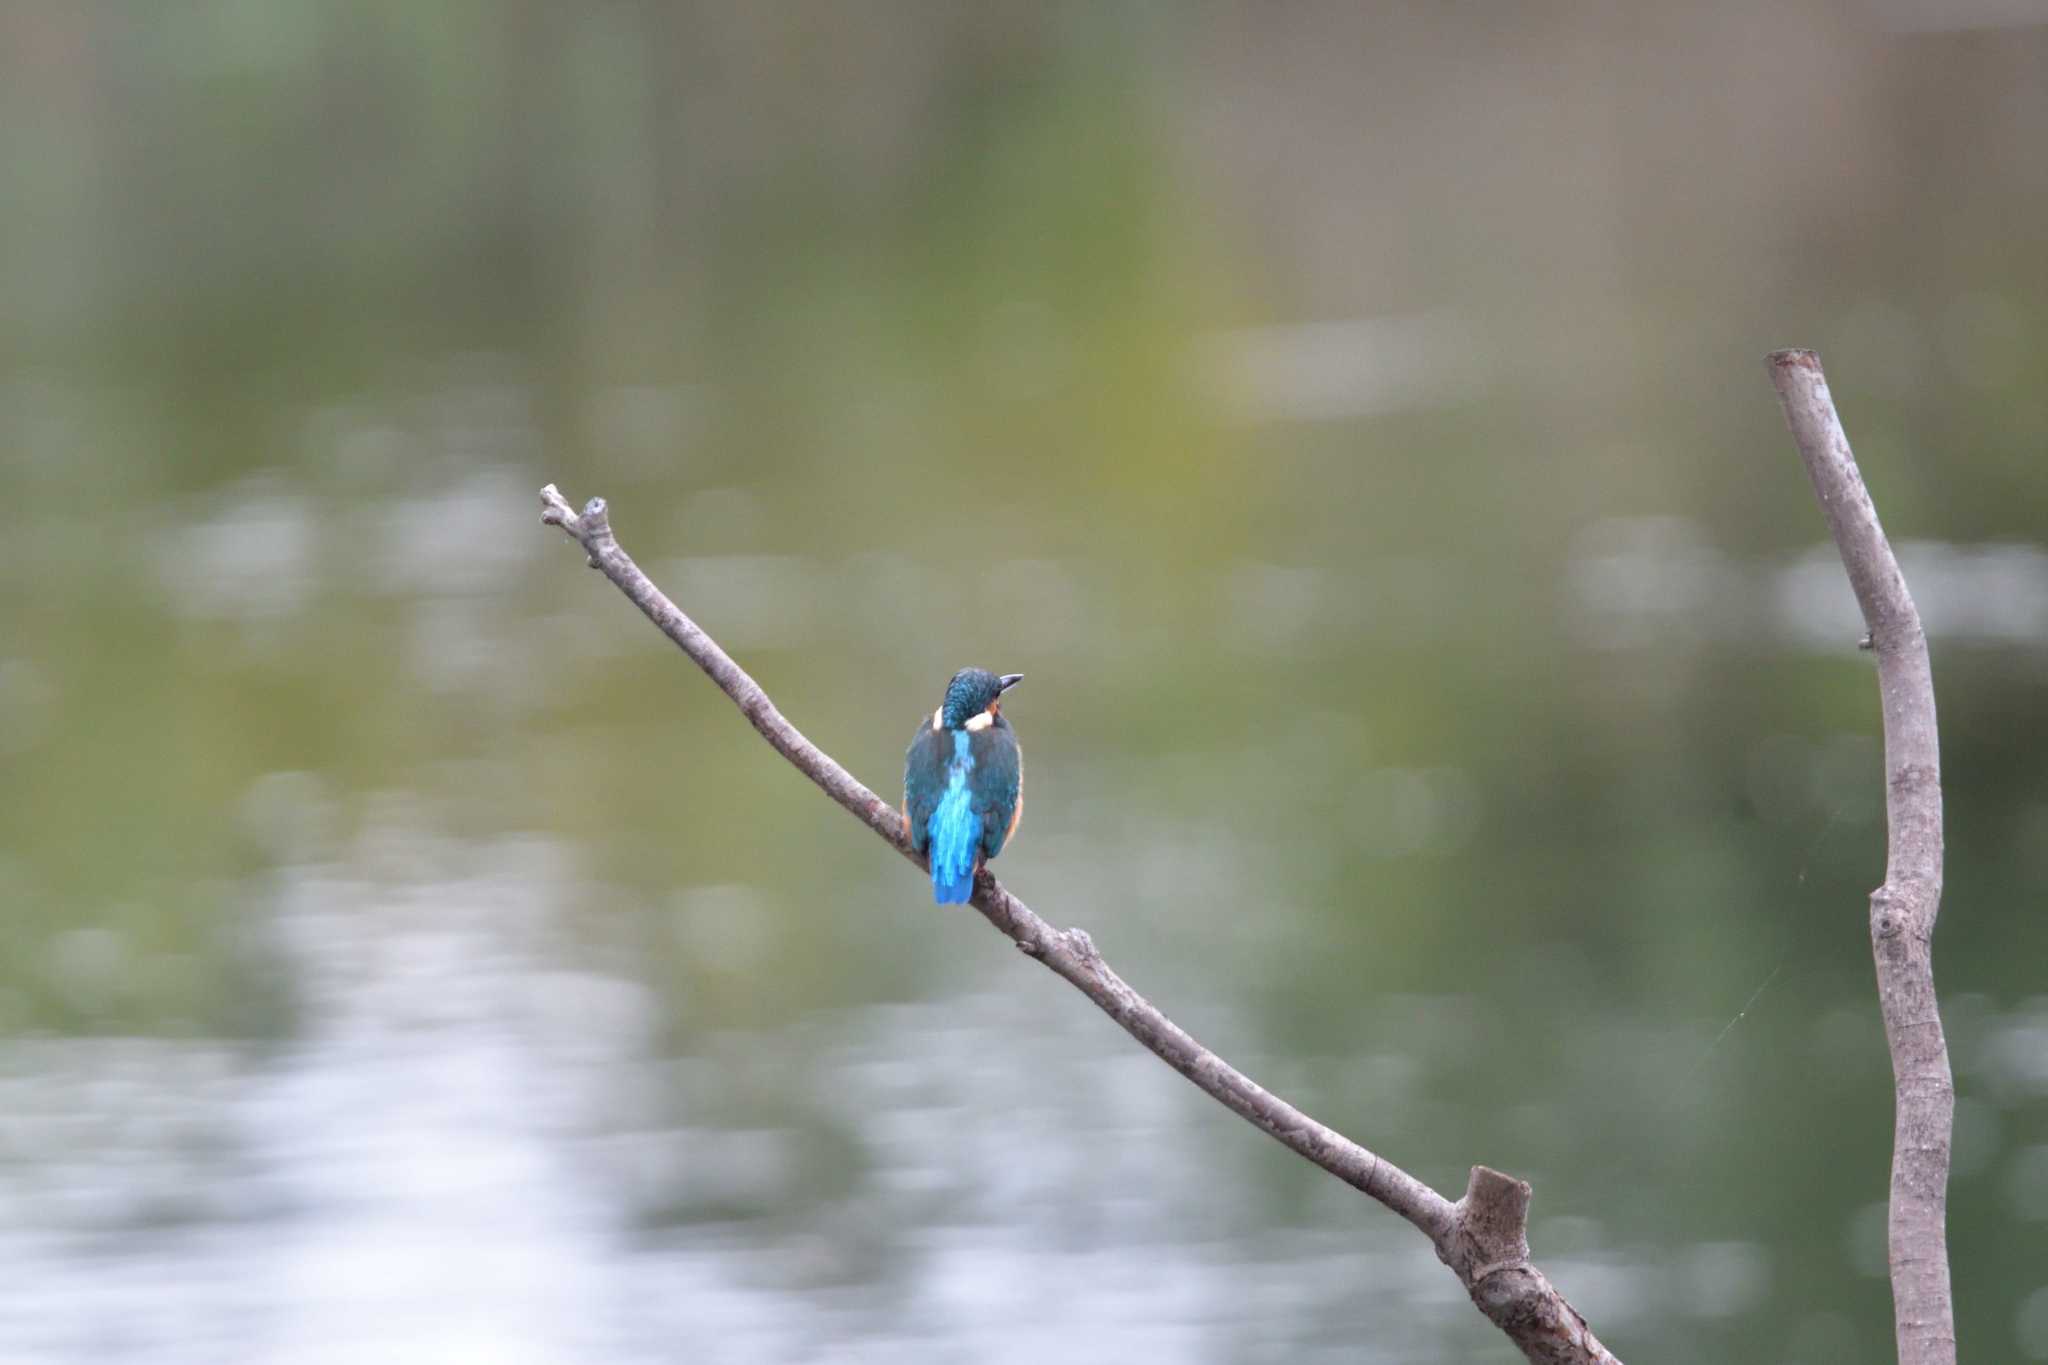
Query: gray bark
point(1902, 911)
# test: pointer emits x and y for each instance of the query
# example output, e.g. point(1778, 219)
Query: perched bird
point(963, 782)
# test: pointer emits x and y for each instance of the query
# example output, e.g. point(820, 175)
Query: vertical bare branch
point(1482, 1237)
point(1902, 911)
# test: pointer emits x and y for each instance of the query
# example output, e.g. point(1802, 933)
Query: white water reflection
point(1355, 367)
point(459, 1155)
point(477, 1146)
point(385, 1187)
point(1645, 580)
point(249, 553)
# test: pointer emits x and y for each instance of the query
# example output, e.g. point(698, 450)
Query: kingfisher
point(963, 782)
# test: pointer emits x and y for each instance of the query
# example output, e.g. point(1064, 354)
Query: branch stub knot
point(1490, 1227)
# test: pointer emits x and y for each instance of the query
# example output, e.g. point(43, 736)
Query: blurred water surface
point(1440, 699)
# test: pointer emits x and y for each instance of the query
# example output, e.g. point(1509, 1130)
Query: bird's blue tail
point(956, 834)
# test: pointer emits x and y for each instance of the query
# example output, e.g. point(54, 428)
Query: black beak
point(1010, 680)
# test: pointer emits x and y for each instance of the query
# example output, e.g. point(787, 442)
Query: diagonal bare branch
point(1482, 1237)
point(1902, 911)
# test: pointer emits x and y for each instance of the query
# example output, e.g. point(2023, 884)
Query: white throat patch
point(980, 722)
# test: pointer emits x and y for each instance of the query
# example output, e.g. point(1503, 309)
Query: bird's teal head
point(972, 692)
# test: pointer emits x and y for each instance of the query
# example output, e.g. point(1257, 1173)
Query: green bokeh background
point(1351, 418)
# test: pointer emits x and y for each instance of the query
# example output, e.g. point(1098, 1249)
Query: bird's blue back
point(962, 795)
point(955, 827)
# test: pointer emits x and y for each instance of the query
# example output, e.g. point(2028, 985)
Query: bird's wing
point(998, 786)
point(924, 781)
